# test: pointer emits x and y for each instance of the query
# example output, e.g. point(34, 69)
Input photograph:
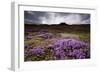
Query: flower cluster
point(69, 47)
point(37, 51)
point(46, 35)
point(63, 49)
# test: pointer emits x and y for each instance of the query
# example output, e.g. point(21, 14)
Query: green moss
point(84, 37)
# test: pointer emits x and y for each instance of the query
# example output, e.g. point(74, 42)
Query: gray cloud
point(36, 17)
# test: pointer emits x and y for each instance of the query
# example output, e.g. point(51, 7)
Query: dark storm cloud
point(33, 17)
point(36, 17)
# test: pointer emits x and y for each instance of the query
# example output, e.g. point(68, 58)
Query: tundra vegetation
point(56, 42)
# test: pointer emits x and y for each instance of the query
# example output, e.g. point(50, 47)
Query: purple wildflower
point(29, 37)
point(65, 46)
point(78, 54)
point(73, 44)
point(37, 51)
point(46, 35)
point(43, 31)
point(59, 53)
point(28, 47)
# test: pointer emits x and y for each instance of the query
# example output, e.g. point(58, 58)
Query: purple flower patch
point(37, 51)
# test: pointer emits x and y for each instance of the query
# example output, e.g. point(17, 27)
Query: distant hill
point(58, 27)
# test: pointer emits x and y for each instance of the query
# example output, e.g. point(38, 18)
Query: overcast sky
point(36, 17)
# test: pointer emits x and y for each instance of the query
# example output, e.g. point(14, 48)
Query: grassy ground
point(78, 32)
